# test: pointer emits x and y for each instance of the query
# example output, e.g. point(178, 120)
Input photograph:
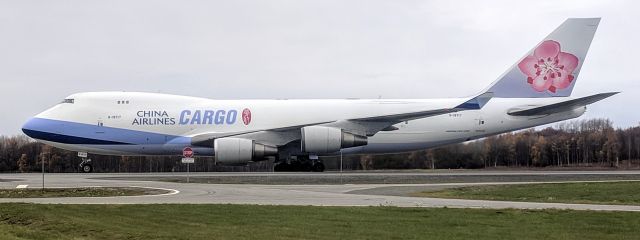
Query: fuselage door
point(480, 125)
point(100, 128)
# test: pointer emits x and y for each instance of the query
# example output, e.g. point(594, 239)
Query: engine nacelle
point(320, 140)
point(236, 151)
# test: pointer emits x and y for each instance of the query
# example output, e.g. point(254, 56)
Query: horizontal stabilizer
point(562, 106)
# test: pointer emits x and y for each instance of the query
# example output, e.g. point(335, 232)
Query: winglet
point(477, 102)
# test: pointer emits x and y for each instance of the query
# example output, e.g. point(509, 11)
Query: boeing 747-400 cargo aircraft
point(534, 91)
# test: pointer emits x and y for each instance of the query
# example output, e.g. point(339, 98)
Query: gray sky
point(298, 49)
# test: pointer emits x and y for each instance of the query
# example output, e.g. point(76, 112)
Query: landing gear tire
point(318, 167)
point(87, 168)
point(281, 167)
point(299, 166)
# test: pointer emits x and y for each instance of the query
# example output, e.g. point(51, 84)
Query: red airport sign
point(187, 152)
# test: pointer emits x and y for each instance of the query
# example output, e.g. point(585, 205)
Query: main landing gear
point(85, 165)
point(300, 164)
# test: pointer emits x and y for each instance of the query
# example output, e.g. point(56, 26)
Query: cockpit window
point(68, 100)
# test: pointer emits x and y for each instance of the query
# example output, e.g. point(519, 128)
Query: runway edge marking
point(171, 191)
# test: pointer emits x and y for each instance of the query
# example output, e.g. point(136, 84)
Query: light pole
point(629, 163)
point(340, 160)
point(341, 166)
point(42, 173)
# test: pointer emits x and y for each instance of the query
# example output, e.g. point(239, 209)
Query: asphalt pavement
point(316, 192)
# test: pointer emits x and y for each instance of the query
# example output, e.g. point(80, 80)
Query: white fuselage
point(534, 91)
point(120, 123)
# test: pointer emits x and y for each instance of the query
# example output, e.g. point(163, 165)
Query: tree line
point(577, 143)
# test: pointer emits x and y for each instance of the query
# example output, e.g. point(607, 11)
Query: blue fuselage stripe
point(81, 133)
point(61, 138)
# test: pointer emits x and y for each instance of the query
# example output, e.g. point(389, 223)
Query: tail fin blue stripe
point(477, 102)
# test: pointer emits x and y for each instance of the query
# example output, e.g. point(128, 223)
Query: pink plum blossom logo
point(549, 68)
point(246, 116)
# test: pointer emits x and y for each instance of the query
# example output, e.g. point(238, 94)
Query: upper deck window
point(68, 100)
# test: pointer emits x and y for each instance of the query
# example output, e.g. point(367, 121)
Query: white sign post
point(188, 160)
point(187, 154)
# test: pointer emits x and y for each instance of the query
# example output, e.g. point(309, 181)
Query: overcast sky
point(245, 49)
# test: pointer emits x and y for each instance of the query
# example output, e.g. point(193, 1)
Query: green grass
point(623, 193)
point(35, 221)
point(76, 192)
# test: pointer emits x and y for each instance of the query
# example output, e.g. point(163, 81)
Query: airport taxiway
point(333, 194)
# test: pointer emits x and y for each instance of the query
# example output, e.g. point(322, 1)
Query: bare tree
point(23, 164)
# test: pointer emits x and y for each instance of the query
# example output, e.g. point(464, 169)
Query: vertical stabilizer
point(551, 68)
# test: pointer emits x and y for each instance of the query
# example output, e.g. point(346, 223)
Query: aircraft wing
point(364, 126)
point(472, 104)
point(561, 106)
point(369, 126)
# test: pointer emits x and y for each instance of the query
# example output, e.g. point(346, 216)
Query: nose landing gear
point(85, 165)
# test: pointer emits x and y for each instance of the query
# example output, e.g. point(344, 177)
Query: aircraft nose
point(43, 129)
point(29, 127)
point(38, 128)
